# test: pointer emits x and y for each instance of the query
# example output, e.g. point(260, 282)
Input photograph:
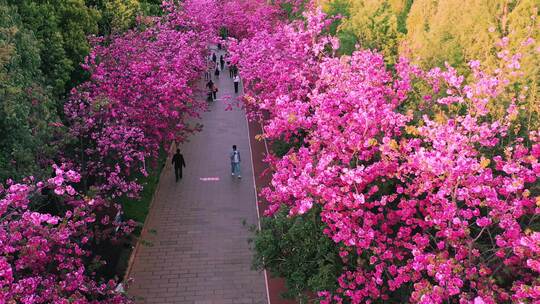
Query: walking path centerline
point(195, 238)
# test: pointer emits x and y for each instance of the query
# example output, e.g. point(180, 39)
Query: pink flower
point(59, 190)
point(475, 64)
point(483, 222)
point(73, 176)
point(479, 300)
point(534, 264)
point(70, 190)
point(58, 180)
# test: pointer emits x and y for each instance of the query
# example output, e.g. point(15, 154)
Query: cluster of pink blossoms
point(44, 258)
point(140, 96)
point(436, 209)
point(244, 18)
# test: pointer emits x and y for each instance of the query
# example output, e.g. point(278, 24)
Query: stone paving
point(194, 247)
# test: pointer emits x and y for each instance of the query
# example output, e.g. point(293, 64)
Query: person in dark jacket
point(214, 91)
point(208, 72)
point(179, 163)
point(222, 62)
point(231, 69)
point(214, 57)
point(210, 86)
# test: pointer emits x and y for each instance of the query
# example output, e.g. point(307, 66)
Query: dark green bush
point(297, 250)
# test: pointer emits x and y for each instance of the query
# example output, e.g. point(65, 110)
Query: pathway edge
point(257, 203)
point(150, 209)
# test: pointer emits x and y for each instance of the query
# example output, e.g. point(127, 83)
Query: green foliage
point(223, 33)
point(292, 9)
point(61, 28)
point(151, 7)
point(120, 15)
point(282, 146)
point(348, 41)
point(402, 17)
point(25, 107)
point(375, 23)
point(297, 250)
point(439, 31)
point(347, 38)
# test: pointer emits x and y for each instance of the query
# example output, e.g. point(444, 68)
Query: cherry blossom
point(435, 203)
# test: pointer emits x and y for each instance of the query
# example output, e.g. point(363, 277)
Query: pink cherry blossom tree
point(46, 257)
point(140, 96)
point(439, 204)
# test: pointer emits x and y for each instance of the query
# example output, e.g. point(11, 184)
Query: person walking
point(214, 91)
point(235, 162)
point(216, 73)
point(236, 81)
point(231, 69)
point(179, 163)
point(214, 57)
point(222, 62)
point(210, 86)
point(207, 73)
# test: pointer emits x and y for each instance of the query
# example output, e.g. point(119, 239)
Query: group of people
point(179, 163)
point(215, 66)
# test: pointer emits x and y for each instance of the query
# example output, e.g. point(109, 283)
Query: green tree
point(347, 37)
point(42, 44)
point(25, 106)
point(297, 250)
point(373, 24)
point(120, 15)
point(449, 31)
point(117, 15)
point(61, 29)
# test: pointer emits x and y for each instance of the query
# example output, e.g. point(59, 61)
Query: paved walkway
point(196, 242)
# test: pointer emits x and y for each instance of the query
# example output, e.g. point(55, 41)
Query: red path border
point(276, 286)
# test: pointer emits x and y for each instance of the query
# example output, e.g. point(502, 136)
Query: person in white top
point(236, 81)
point(235, 162)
